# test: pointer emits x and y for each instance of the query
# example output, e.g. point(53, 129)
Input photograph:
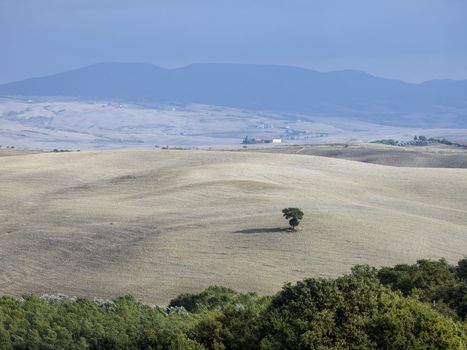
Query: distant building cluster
point(251, 141)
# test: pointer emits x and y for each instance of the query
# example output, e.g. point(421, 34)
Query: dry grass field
point(158, 223)
point(435, 156)
point(7, 152)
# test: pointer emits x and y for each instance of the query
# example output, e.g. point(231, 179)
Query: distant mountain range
point(345, 93)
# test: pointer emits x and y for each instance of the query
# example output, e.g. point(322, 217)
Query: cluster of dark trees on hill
point(420, 306)
point(420, 141)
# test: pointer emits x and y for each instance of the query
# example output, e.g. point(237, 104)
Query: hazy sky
point(412, 40)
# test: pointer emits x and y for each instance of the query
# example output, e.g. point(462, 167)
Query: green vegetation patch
point(420, 306)
point(419, 141)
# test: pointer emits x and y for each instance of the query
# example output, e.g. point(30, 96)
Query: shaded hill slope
point(420, 157)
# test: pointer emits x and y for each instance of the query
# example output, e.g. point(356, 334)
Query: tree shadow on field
point(264, 230)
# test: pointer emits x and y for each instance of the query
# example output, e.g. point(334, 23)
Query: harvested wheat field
point(159, 223)
point(434, 156)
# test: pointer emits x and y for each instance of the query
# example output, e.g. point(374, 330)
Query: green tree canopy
point(355, 311)
point(293, 215)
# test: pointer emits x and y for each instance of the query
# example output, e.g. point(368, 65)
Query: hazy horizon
point(413, 42)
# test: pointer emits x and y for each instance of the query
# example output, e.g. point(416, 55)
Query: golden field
point(158, 223)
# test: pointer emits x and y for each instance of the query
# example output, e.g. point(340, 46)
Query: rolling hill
point(345, 93)
point(420, 157)
point(159, 223)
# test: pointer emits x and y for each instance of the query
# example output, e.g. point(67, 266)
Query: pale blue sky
point(412, 40)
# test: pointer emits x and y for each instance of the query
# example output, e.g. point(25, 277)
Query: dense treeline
point(420, 306)
point(419, 141)
point(436, 282)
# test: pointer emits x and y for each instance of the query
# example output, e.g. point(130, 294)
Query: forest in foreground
point(419, 306)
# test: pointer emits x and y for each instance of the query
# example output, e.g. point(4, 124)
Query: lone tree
point(293, 215)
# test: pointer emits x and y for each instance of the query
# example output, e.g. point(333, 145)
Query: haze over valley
point(114, 105)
